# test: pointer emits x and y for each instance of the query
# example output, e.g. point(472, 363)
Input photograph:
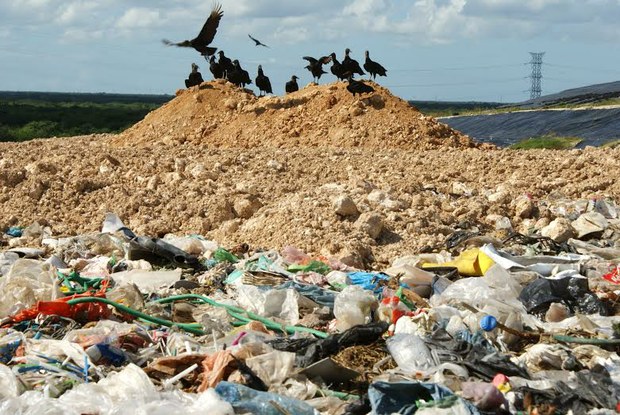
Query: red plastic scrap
point(82, 312)
point(613, 276)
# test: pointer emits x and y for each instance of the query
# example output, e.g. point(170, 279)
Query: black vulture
point(291, 86)
point(238, 75)
point(373, 67)
point(351, 65)
point(206, 35)
point(316, 66)
point(215, 68)
point(262, 82)
point(358, 87)
point(258, 42)
point(194, 78)
point(225, 63)
point(337, 68)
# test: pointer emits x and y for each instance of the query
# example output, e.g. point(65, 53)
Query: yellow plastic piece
point(473, 263)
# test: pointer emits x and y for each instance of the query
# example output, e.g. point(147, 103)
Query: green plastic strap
point(242, 315)
point(163, 322)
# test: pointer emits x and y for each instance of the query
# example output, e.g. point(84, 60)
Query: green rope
point(244, 316)
point(583, 340)
point(156, 320)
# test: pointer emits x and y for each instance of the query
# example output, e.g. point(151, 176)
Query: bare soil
point(365, 179)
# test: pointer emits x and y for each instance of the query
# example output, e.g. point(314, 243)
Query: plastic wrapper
point(410, 353)
point(274, 367)
point(572, 291)
point(404, 397)
point(353, 306)
point(279, 304)
point(247, 400)
point(27, 282)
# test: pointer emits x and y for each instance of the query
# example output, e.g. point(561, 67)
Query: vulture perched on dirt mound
point(358, 87)
point(351, 65)
point(205, 37)
point(194, 78)
point(373, 67)
point(316, 66)
point(262, 82)
point(291, 86)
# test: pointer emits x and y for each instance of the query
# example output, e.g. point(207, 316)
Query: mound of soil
point(219, 114)
point(363, 180)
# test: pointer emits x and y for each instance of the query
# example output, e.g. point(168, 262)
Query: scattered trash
point(180, 324)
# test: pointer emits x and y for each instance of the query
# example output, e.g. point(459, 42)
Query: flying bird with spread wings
point(258, 42)
point(205, 37)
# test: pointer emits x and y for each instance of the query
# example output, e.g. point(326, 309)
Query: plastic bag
point(247, 400)
point(571, 291)
point(410, 353)
point(353, 306)
point(280, 304)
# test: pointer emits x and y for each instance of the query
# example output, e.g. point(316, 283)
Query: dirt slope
point(219, 114)
point(402, 187)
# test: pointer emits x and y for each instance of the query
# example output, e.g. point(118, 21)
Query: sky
point(446, 50)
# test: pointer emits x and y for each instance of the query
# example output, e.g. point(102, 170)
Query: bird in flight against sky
point(206, 35)
point(258, 42)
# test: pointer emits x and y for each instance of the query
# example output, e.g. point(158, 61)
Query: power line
point(456, 68)
point(536, 62)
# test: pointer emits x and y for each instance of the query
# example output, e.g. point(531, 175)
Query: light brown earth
point(368, 179)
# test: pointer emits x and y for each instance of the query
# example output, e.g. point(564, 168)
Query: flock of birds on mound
point(231, 70)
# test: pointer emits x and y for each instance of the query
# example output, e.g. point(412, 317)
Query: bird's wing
point(310, 59)
point(258, 42)
point(325, 59)
point(207, 33)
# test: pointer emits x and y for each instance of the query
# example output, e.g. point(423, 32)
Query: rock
point(524, 207)
point(560, 230)
point(245, 207)
point(344, 206)
point(376, 196)
point(461, 189)
point(371, 223)
point(588, 223)
point(275, 165)
point(500, 197)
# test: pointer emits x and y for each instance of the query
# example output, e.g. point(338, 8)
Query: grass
point(612, 144)
point(549, 141)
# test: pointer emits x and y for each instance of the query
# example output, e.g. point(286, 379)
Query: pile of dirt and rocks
point(220, 114)
point(389, 196)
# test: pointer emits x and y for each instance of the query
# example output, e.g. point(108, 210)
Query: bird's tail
point(168, 42)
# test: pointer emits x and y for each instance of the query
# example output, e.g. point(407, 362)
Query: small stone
point(275, 165)
point(370, 223)
point(344, 206)
point(524, 207)
point(560, 230)
point(245, 207)
point(461, 189)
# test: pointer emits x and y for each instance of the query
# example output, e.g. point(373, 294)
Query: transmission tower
point(536, 75)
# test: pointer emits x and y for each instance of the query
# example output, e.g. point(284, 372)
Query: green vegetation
point(28, 115)
point(612, 143)
point(549, 141)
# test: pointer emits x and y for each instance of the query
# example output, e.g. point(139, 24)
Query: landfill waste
point(112, 322)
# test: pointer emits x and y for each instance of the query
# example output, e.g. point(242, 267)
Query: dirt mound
point(220, 114)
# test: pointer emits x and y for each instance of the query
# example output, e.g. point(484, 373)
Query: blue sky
point(463, 50)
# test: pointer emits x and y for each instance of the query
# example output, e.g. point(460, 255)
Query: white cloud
point(75, 12)
point(139, 17)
